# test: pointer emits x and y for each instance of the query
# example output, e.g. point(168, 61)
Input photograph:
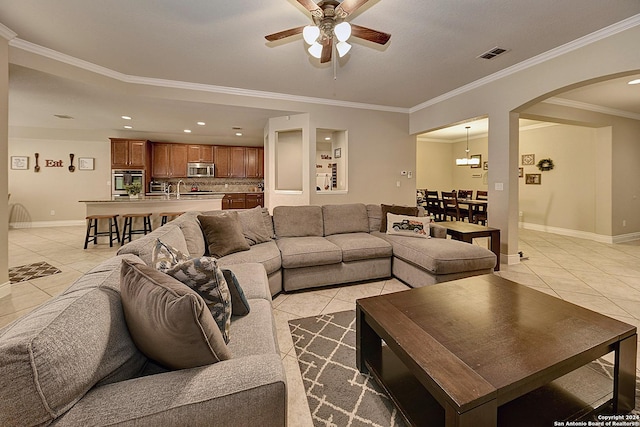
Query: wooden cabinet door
point(160, 160)
point(226, 202)
point(206, 153)
point(254, 199)
point(221, 159)
point(261, 164)
point(179, 155)
point(137, 154)
point(237, 201)
point(251, 162)
point(119, 153)
point(193, 154)
point(236, 162)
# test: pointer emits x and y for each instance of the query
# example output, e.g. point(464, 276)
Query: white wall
point(35, 195)
point(289, 160)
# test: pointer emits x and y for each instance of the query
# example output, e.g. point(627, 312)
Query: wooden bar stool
point(127, 228)
point(166, 215)
point(93, 233)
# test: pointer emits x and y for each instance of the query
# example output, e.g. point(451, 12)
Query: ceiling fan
point(329, 23)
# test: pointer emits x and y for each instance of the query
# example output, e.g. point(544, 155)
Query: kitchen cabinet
point(254, 162)
point(254, 199)
point(200, 153)
point(242, 200)
point(128, 154)
point(169, 160)
point(229, 161)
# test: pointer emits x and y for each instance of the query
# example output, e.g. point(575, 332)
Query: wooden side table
point(466, 232)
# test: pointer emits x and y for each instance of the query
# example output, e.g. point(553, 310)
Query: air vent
point(63, 116)
point(490, 54)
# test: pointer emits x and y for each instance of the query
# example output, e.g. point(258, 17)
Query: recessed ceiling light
point(201, 123)
point(328, 138)
point(187, 131)
point(635, 82)
point(126, 117)
point(128, 127)
point(238, 133)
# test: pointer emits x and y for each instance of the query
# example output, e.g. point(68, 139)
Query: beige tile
point(352, 293)
point(23, 296)
point(337, 305)
point(282, 329)
point(298, 413)
point(592, 302)
point(65, 278)
point(304, 304)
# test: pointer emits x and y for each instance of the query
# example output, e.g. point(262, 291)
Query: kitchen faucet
point(178, 188)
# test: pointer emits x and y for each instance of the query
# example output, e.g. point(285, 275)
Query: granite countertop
point(159, 198)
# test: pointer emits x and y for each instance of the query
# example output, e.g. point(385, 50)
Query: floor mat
point(31, 271)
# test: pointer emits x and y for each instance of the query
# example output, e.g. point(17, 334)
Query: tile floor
point(602, 277)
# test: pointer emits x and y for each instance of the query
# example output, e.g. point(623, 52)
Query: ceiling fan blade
point(327, 47)
point(348, 6)
point(283, 34)
point(312, 7)
point(369, 34)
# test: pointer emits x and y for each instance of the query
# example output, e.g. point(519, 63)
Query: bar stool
point(92, 226)
point(127, 228)
point(166, 215)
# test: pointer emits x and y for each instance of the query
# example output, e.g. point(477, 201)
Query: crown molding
point(611, 30)
point(200, 87)
point(6, 33)
point(591, 107)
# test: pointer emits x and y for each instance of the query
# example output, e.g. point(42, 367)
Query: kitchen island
point(154, 205)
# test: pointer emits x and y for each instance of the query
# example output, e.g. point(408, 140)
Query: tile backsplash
point(222, 185)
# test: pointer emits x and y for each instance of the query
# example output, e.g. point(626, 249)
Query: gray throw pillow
point(239, 303)
point(223, 234)
point(203, 276)
point(169, 322)
point(253, 226)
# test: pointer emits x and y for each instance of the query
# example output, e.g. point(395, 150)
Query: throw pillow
point(412, 226)
point(253, 226)
point(169, 322)
point(223, 234)
point(239, 303)
point(398, 210)
point(203, 276)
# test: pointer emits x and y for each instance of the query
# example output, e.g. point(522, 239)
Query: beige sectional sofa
point(72, 361)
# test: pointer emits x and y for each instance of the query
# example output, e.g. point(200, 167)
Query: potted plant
point(133, 189)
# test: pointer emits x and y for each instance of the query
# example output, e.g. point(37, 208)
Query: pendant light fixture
point(466, 161)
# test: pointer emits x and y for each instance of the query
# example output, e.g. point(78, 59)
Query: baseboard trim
point(5, 289)
point(621, 238)
point(42, 224)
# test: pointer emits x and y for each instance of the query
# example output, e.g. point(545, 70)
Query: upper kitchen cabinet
point(169, 160)
point(128, 153)
point(200, 153)
point(254, 162)
point(230, 161)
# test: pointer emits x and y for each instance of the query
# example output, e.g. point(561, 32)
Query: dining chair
point(450, 205)
point(482, 195)
point(465, 194)
point(434, 205)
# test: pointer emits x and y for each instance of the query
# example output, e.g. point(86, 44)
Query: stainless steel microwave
point(200, 169)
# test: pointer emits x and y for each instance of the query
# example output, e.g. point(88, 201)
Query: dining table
point(471, 203)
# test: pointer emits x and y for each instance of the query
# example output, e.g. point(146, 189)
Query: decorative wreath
point(545, 164)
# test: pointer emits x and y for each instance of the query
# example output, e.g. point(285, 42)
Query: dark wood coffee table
point(473, 345)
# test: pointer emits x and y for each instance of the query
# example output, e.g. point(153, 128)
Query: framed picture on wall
point(479, 157)
point(528, 159)
point(533, 178)
point(485, 166)
point(337, 153)
point(20, 162)
point(86, 163)
point(520, 172)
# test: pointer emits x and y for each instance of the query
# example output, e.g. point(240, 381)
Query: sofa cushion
point(398, 210)
point(223, 234)
point(374, 212)
point(408, 226)
point(190, 226)
point(239, 304)
point(52, 356)
point(253, 222)
point(298, 221)
point(169, 322)
point(266, 254)
point(357, 246)
point(254, 334)
point(253, 279)
point(143, 247)
point(201, 274)
point(348, 218)
point(308, 251)
point(441, 256)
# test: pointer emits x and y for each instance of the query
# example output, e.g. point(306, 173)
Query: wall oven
point(200, 169)
point(120, 178)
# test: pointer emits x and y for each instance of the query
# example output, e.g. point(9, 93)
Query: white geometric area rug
point(338, 394)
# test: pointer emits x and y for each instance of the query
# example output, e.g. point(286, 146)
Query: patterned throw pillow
point(239, 303)
point(203, 276)
point(412, 226)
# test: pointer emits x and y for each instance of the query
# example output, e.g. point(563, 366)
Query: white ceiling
point(211, 43)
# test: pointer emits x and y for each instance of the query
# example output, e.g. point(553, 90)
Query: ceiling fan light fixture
point(342, 31)
point(315, 50)
point(310, 34)
point(343, 48)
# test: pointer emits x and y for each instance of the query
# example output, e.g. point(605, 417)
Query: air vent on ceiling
point(63, 116)
point(492, 53)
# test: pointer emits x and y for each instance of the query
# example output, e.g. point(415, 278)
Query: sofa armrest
point(242, 391)
point(438, 231)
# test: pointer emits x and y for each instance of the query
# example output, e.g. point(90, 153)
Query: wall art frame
point(20, 162)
